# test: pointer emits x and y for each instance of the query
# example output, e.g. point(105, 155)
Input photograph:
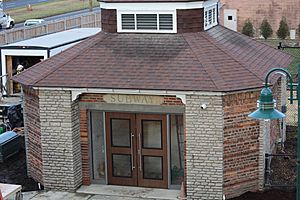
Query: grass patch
point(48, 9)
point(293, 51)
point(271, 42)
point(293, 66)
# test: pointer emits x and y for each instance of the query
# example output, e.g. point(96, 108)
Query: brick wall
point(84, 139)
point(204, 147)
point(257, 10)
point(60, 139)
point(246, 141)
point(32, 135)
point(190, 20)
point(109, 20)
point(241, 144)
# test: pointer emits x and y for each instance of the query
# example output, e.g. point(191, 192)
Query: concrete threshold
point(129, 192)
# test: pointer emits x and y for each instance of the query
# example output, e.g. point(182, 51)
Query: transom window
point(210, 17)
point(146, 22)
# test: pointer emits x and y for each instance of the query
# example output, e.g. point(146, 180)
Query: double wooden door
point(137, 149)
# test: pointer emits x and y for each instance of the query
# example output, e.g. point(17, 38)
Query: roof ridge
point(211, 40)
point(93, 38)
point(200, 61)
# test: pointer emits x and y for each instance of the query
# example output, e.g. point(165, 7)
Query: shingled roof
point(215, 60)
point(146, 1)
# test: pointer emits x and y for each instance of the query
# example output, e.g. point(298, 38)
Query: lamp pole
point(266, 110)
point(298, 135)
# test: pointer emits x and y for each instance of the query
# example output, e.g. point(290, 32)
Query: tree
point(266, 29)
point(283, 30)
point(248, 29)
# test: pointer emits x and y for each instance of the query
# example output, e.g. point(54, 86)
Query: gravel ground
point(272, 194)
point(283, 172)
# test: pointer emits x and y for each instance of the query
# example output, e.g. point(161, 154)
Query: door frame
point(232, 24)
point(120, 150)
point(165, 183)
point(153, 152)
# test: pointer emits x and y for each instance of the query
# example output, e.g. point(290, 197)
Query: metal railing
point(274, 175)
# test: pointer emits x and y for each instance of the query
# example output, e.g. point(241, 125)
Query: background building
point(234, 13)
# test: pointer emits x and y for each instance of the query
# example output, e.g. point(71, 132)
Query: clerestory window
point(146, 22)
point(210, 17)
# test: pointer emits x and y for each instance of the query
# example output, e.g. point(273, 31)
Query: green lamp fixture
point(266, 110)
point(266, 106)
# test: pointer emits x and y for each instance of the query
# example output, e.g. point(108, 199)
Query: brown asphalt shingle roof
point(216, 60)
point(144, 1)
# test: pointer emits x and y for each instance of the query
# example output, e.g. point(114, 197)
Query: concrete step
point(114, 192)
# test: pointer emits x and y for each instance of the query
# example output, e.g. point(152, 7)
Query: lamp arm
point(287, 74)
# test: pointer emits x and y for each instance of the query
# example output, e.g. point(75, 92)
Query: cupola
point(158, 16)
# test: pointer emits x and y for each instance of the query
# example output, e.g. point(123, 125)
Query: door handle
point(140, 151)
point(132, 153)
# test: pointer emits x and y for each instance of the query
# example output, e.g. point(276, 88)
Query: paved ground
point(73, 196)
point(104, 192)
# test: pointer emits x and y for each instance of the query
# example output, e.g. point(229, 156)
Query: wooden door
point(152, 151)
point(137, 150)
point(121, 149)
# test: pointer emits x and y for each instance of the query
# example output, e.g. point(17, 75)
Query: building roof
point(55, 39)
point(215, 60)
point(147, 1)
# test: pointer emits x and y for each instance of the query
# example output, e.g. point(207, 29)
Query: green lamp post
point(266, 110)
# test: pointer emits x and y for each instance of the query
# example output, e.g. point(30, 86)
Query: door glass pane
point(177, 149)
point(97, 147)
point(121, 165)
point(152, 167)
point(120, 132)
point(151, 131)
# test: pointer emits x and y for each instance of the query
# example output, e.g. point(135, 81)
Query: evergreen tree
point(283, 30)
point(248, 29)
point(266, 29)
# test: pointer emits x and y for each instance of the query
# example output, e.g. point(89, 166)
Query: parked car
point(6, 21)
point(32, 22)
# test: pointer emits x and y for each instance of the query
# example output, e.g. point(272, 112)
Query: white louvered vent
point(146, 21)
point(165, 22)
point(128, 22)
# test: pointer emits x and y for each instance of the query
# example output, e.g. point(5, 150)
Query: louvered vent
point(128, 22)
point(165, 22)
point(146, 21)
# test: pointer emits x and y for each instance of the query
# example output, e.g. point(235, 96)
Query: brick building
point(234, 13)
point(159, 98)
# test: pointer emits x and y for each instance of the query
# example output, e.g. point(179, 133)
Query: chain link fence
point(292, 110)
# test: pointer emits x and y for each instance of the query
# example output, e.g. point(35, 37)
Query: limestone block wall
point(60, 140)
point(204, 147)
